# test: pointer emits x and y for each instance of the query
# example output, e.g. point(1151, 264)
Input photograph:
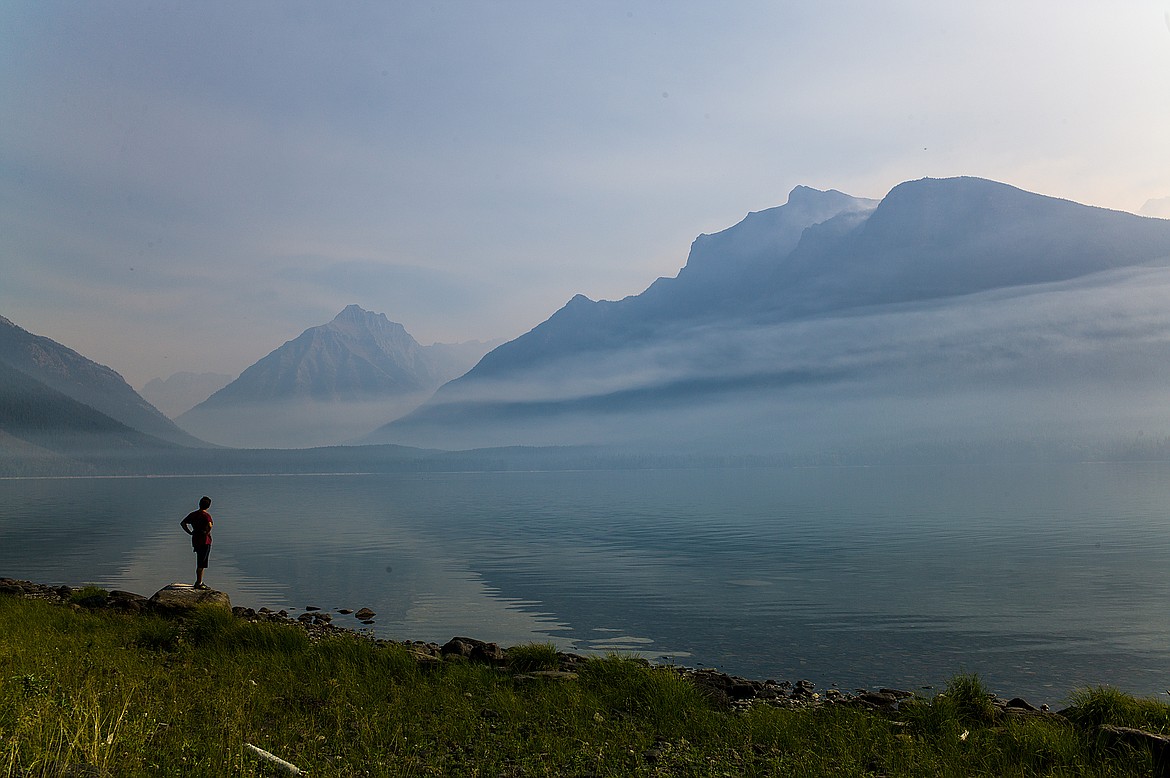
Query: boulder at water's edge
point(180, 596)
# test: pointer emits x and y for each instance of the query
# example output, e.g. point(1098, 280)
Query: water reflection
point(1049, 576)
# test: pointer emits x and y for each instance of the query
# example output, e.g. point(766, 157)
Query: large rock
point(474, 650)
point(181, 596)
point(1157, 743)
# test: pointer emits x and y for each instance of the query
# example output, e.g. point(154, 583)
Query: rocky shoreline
point(728, 691)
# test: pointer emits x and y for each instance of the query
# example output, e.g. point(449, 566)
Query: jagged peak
point(354, 318)
point(800, 190)
point(355, 312)
point(801, 198)
point(768, 235)
point(803, 195)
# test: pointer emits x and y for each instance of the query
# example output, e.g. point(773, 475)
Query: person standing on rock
point(197, 524)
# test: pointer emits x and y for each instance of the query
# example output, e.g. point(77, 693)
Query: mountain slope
point(43, 431)
point(330, 384)
point(720, 273)
point(85, 381)
point(956, 309)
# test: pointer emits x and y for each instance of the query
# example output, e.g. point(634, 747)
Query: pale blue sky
point(185, 186)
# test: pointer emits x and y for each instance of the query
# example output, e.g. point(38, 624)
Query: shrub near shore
point(91, 692)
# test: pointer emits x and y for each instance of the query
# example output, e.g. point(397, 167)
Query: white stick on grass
point(288, 767)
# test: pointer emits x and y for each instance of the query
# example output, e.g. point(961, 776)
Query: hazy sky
point(185, 186)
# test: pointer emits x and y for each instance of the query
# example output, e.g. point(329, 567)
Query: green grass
point(148, 696)
point(534, 656)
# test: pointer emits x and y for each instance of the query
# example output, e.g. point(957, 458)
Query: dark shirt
point(198, 523)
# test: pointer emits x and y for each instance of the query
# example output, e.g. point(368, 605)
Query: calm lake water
point(1041, 579)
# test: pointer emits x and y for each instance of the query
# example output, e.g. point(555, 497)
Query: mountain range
point(62, 413)
point(332, 383)
point(953, 318)
point(954, 312)
point(35, 366)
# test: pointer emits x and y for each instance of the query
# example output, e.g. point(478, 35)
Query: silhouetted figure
point(197, 524)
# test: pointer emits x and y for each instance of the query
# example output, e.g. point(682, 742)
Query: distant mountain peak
point(1158, 208)
point(774, 231)
point(358, 358)
point(800, 190)
point(182, 391)
point(355, 317)
point(803, 195)
point(356, 313)
point(353, 309)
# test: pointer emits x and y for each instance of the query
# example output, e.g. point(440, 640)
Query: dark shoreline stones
point(474, 651)
point(728, 692)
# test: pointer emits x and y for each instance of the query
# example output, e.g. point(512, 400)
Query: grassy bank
point(102, 693)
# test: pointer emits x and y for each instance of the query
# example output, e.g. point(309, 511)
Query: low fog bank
point(833, 425)
point(1075, 368)
point(294, 423)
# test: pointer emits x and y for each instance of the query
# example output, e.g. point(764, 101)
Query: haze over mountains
point(37, 368)
point(50, 422)
point(329, 385)
point(182, 391)
point(956, 318)
point(954, 313)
